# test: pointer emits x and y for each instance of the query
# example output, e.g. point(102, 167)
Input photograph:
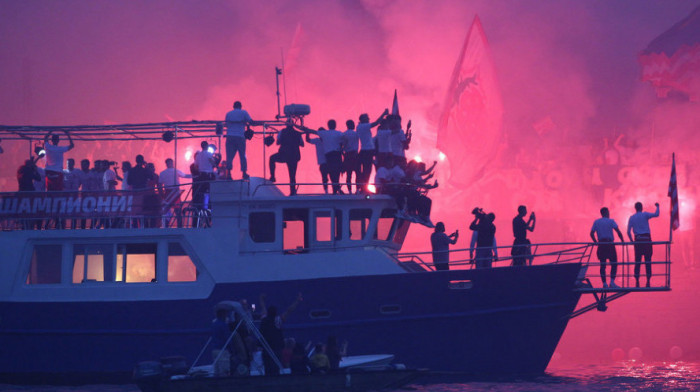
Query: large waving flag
point(671, 62)
point(470, 125)
point(673, 194)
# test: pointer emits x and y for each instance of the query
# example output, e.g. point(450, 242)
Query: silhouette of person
point(383, 142)
point(639, 225)
point(485, 236)
point(289, 141)
point(399, 142)
point(27, 174)
point(441, 244)
point(236, 122)
point(54, 160)
point(521, 252)
point(603, 227)
point(351, 158)
point(367, 147)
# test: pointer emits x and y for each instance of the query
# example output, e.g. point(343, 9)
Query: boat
point(85, 305)
point(358, 373)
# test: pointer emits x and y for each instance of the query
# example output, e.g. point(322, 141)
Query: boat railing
point(590, 280)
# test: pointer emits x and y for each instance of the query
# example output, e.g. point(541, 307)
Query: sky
point(568, 75)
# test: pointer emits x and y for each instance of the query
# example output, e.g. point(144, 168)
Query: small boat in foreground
point(356, 373)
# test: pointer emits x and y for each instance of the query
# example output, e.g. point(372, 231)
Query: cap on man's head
point(237, 105)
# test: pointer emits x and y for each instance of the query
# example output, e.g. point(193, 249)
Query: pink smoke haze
point(579, 128)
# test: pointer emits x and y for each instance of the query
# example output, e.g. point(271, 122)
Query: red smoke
point(569, 79)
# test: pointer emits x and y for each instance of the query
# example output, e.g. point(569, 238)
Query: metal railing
point(568, 252)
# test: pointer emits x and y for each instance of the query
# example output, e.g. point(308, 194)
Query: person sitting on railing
point(639, 224)
point(389, 180)
point(603, 227)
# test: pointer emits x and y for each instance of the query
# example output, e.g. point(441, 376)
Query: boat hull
point(491, 322)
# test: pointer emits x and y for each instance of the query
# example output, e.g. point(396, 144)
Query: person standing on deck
point(485, 232)
point(603, 227)
point(54, 160)
point(367, 147)
point(289, 141)
point(236, 122)
point(441, 244)
point(521, 252)
point(332, 140)
point(639, 225)
point(320, 159)
point(351, 159)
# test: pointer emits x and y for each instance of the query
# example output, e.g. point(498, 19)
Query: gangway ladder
point(626, 280)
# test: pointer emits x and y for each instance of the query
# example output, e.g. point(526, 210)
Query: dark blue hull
point(495, 322)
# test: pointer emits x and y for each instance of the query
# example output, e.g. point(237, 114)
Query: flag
point(673, 194)
point(470, 124)
point(672, 60)
point(395, 105)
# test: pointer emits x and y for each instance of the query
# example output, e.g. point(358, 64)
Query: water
point(621, 376)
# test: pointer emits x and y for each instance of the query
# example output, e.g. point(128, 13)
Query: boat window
point(93, 263)
point(45, 267)
point(295, 229)
point(359, 223)
point(386, 220)
point(323, 221)
point(180, 265)
point(261, 226)
point(136, 262)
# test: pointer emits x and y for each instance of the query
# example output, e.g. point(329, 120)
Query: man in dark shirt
point(139, 175)
point(441, 245)
point(26, 175)
point(521, 245)
point(486, 231)
point(289, 141)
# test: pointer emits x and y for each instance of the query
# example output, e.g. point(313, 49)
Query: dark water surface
point(620, 376)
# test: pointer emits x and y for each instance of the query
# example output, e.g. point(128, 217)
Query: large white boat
point(87, 304)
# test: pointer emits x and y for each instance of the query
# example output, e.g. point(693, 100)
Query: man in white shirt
point(603, 228)
point(236, 122)
point(383, 143)
point(639, 225)
point(367, 148)
point(109, 178)
point(169, 180)
point(320, 159)
point(399, 142)
point(71, 176)
point(54, 160)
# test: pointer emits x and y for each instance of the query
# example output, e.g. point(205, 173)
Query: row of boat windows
point(328, 225)
point(128, 263)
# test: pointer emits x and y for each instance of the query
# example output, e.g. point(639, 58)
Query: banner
point(36, 205)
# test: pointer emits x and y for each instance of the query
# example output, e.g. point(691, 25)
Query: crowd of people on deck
point(354, 152)
point(236, 350)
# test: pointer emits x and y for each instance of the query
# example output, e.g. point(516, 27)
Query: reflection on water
point(621, 376)
point(618, 377)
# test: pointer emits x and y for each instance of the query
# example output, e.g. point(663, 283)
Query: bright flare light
point(188, 155)
point(372, 188)
point(417, 158)
point(442, 156)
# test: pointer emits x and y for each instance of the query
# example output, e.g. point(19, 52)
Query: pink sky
point(566, 68)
